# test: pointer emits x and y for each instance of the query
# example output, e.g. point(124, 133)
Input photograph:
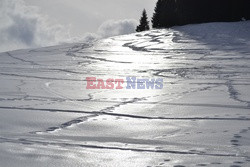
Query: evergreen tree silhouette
point(144, 24)
point(157, 14)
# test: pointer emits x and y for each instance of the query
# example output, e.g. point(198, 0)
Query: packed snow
point(201, 117)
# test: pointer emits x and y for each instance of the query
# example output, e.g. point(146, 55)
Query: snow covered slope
point(200, 118)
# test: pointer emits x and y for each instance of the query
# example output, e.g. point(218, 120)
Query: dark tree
point(157, 13)
point(144, 24)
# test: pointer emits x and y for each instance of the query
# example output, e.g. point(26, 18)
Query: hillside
point(200, 117)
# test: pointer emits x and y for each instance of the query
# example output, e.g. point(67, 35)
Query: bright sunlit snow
point(200, 118)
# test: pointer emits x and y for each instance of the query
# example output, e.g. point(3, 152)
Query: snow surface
point(200, 118)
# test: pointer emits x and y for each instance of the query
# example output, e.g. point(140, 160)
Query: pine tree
point(156, 16)
point(144, 24)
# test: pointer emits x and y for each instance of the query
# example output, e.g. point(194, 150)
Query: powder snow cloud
point(117, 27)
point(23, 26)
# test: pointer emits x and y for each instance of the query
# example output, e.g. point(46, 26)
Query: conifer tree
point(144, 24)
point(157, 13)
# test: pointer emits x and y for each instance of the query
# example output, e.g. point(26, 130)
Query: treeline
point(169, 13)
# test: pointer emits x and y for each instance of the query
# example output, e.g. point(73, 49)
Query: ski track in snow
point(200, 118)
